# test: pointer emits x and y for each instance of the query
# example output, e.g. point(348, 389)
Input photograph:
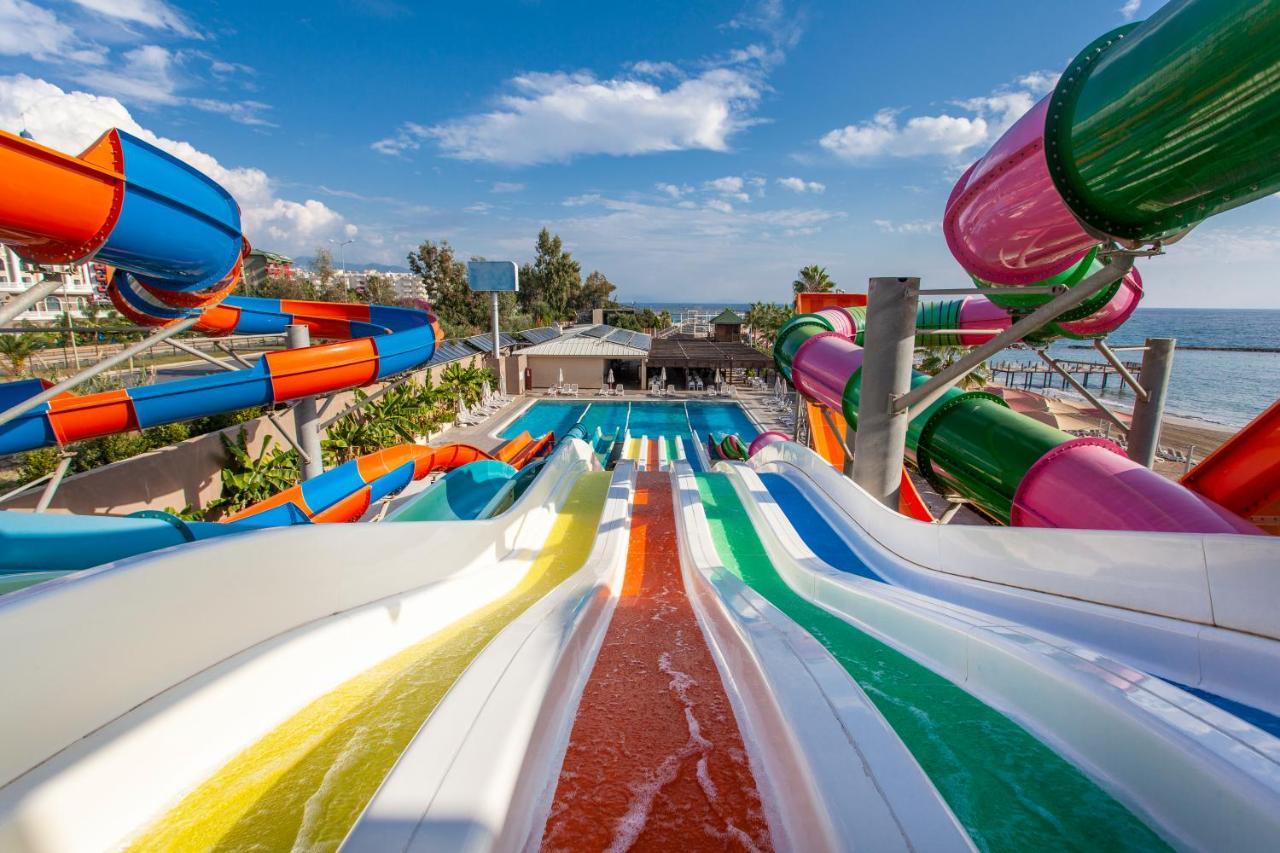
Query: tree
point(322, 266)
point(813, 279)
point(937, 359)
point(596, 292)
point(461, 311)
point(17, 349)
point(377, 289)
point(553, 281)
point(765, 319)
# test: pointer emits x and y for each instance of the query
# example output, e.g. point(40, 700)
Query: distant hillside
point(306, 261)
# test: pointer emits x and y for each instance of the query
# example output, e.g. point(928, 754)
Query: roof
point(584, 347)
point(484, 343)
point(727, 317)
point(686, 352)
point(272, 257)
point(540, 334)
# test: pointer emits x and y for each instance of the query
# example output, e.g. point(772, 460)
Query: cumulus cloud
point(946, 135)
point(729, 187)
point(673, 190)
point(150, 13)
point(800, 185)
point(29, 30)
point(555, 117)
point(1130, 9)
point(70, 121)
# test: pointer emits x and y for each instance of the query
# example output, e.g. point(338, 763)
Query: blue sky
point(691, 151)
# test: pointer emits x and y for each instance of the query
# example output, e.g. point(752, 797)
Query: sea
point(1218, 386)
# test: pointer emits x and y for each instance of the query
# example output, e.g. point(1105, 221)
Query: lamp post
point(342, 258)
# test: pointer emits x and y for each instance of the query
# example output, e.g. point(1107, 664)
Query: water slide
point(1243, 474)
point(942, 628)
point(1069, 179)
point(173, 239)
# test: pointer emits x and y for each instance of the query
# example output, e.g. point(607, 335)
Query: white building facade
point(81, 284)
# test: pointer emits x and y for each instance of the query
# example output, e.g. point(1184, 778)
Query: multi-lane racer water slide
point(561, 676)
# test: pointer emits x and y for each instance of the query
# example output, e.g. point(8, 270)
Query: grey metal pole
point(1148, 414)
point(46, 497)
point(26, 299)
point(497, 358)
point(304, 414)
point(881, 439)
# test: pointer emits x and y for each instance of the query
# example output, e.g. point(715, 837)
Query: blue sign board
point(487, 276)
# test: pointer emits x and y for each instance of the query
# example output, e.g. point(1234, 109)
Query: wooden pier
point(1030, 375)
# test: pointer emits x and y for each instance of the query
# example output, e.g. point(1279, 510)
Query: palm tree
point(813, 279)
point(17, 349)
point(937, 359)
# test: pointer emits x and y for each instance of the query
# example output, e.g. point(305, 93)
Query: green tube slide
point(1158, 126)
point(1009, 790)
point(463, 494)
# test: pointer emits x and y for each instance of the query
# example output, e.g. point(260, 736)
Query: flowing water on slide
point(1009, 790)
point(303, 785)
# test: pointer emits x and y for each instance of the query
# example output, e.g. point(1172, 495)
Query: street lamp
point(342, 255)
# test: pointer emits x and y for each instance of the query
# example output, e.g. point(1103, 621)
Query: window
point(51, 303)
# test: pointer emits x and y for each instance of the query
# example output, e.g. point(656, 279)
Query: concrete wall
point(582, 371)
point(187, 473)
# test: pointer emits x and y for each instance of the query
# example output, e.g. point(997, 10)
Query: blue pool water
point(642, 418)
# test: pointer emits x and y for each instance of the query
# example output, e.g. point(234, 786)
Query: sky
point(690, 151)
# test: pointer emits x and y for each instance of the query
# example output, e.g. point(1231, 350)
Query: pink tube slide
point(1112, 315)
point(1089, 483)
point(980, 314)
point(1005, 221)
point(822, 367)
point(764, 439)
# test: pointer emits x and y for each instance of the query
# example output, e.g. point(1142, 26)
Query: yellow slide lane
point(303, 785)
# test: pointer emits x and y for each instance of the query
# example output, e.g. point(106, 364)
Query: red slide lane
point(655, 760)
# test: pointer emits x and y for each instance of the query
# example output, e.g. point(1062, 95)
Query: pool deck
point(753, 401)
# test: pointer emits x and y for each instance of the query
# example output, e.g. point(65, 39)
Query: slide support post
point(881, 439)
point(305, 417)
point(1148, 414)
point(497, 352)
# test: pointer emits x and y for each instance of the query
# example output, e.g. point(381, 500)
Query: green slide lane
point(1009, 790)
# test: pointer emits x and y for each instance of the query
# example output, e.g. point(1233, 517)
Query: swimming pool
point(641, 418)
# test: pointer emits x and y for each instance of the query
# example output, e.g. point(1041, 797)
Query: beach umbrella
point(611, 376)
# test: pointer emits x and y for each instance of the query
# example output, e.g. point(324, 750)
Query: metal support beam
point(31, 484)
point(922, 395)
point(1110, 355)
point(239, 359)
point(1148, 414)
point(842, 436)
point(497, 351)
point(304, 414)
point(1038, 290)
point(217, 362)
point(360, 404)
point(94, 369)
point(881, 439)
point(22, 301)
point(1102, 407)
point(46, 497)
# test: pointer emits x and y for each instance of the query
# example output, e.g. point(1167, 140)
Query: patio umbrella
point(717, 379)
point(610, 376)
point(662, 378)
point(560, 377)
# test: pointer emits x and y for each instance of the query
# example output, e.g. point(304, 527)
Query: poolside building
point(584, 356)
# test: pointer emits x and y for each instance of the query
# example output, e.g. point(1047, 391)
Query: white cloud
point(146, 75)
point(506, 187)
point(800, 185)
point(644, 68)
point(730, 187)
point(1130, 9)
point(480, 207)
point(719, 205)
point(915, 226)
point(944, 135)
point(673, 190)
point(151, 13)
point(69, 121)
point(29, 30)
point(555, 117)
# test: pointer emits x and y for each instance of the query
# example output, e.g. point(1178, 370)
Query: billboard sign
point(488, 276)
